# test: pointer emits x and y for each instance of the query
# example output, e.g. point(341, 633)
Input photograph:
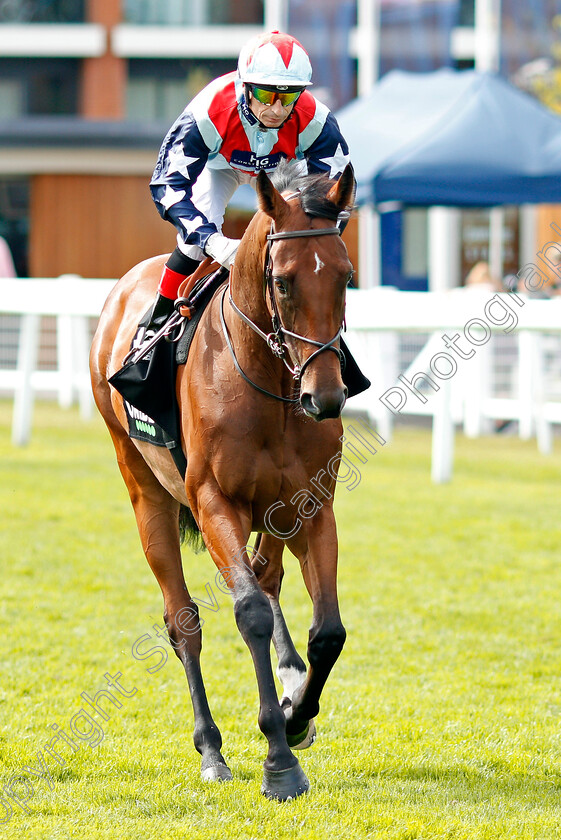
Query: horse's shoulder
point(140, 281)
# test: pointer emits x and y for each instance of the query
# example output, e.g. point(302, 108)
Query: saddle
point(147, 379)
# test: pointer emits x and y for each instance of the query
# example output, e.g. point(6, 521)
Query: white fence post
point(544, 431)
point(478, 375)
point(65, 360)
point(26, 364)
point(81, 345)
point(442, 435)
point(526, 369)
point(73, 357)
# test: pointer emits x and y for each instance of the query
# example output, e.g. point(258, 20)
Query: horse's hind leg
point(266, 561)
point(157, 516)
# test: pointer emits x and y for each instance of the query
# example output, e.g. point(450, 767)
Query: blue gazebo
point(452, 138)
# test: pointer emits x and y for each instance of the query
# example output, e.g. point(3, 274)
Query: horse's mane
point(313, 189)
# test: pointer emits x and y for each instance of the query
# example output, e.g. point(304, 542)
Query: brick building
point(88, 89)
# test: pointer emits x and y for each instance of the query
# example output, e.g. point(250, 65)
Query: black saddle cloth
point(148, 385)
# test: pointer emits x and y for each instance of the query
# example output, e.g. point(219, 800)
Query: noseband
point(275, 340)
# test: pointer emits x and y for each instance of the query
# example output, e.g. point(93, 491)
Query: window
point(11, 98)
point(156, 99)
point(53, 88)
point(38, 86)
point(160, 89)
point(171, 13)
point(41, 11)
point(405, 248)
point(467, 13)
point(415, 242)
point(192, 12)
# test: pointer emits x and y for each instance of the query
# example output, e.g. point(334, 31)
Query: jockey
point(240, 124)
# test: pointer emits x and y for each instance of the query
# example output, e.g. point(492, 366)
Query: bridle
point(275, 340)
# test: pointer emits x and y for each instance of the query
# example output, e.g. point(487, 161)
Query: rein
point(275, 339)
point(233, 354)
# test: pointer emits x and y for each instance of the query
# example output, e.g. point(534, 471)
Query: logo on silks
point(250, 162)
point(142, 427)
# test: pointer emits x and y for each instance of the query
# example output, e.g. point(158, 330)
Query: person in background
point(7, 268)
point(10, 323)
point(480, 277)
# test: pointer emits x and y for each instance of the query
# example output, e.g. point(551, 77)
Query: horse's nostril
point(309, 405)
point(323, 409)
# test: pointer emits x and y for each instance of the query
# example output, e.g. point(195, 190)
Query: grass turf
point(440, 720)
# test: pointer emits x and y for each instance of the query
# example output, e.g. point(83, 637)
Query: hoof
point(217, 773)
point(284, 784)
point(303, 740)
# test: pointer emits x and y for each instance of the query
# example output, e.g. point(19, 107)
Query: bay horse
point(258, 380)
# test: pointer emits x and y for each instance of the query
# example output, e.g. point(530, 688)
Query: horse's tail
point(189, 530)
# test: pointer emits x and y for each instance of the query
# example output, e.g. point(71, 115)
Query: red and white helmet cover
point(275, 59)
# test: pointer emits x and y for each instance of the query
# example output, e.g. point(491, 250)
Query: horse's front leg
point(316, 548)
point(226, 531)
point(266, 561)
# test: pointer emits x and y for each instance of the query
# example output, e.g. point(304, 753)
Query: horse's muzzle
point(325, 405)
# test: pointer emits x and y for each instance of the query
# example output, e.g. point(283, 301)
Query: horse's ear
point(270, 201)
point(342, 194)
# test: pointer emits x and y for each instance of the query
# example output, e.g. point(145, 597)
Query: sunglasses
point(269, 96)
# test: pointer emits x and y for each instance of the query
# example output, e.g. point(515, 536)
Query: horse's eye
point(281, 285)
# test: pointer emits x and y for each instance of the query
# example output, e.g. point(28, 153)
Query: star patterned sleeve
point(182, 158)
point(329, 154)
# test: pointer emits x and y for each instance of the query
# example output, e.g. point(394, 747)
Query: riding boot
point(162, 308)
point(157, 316)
